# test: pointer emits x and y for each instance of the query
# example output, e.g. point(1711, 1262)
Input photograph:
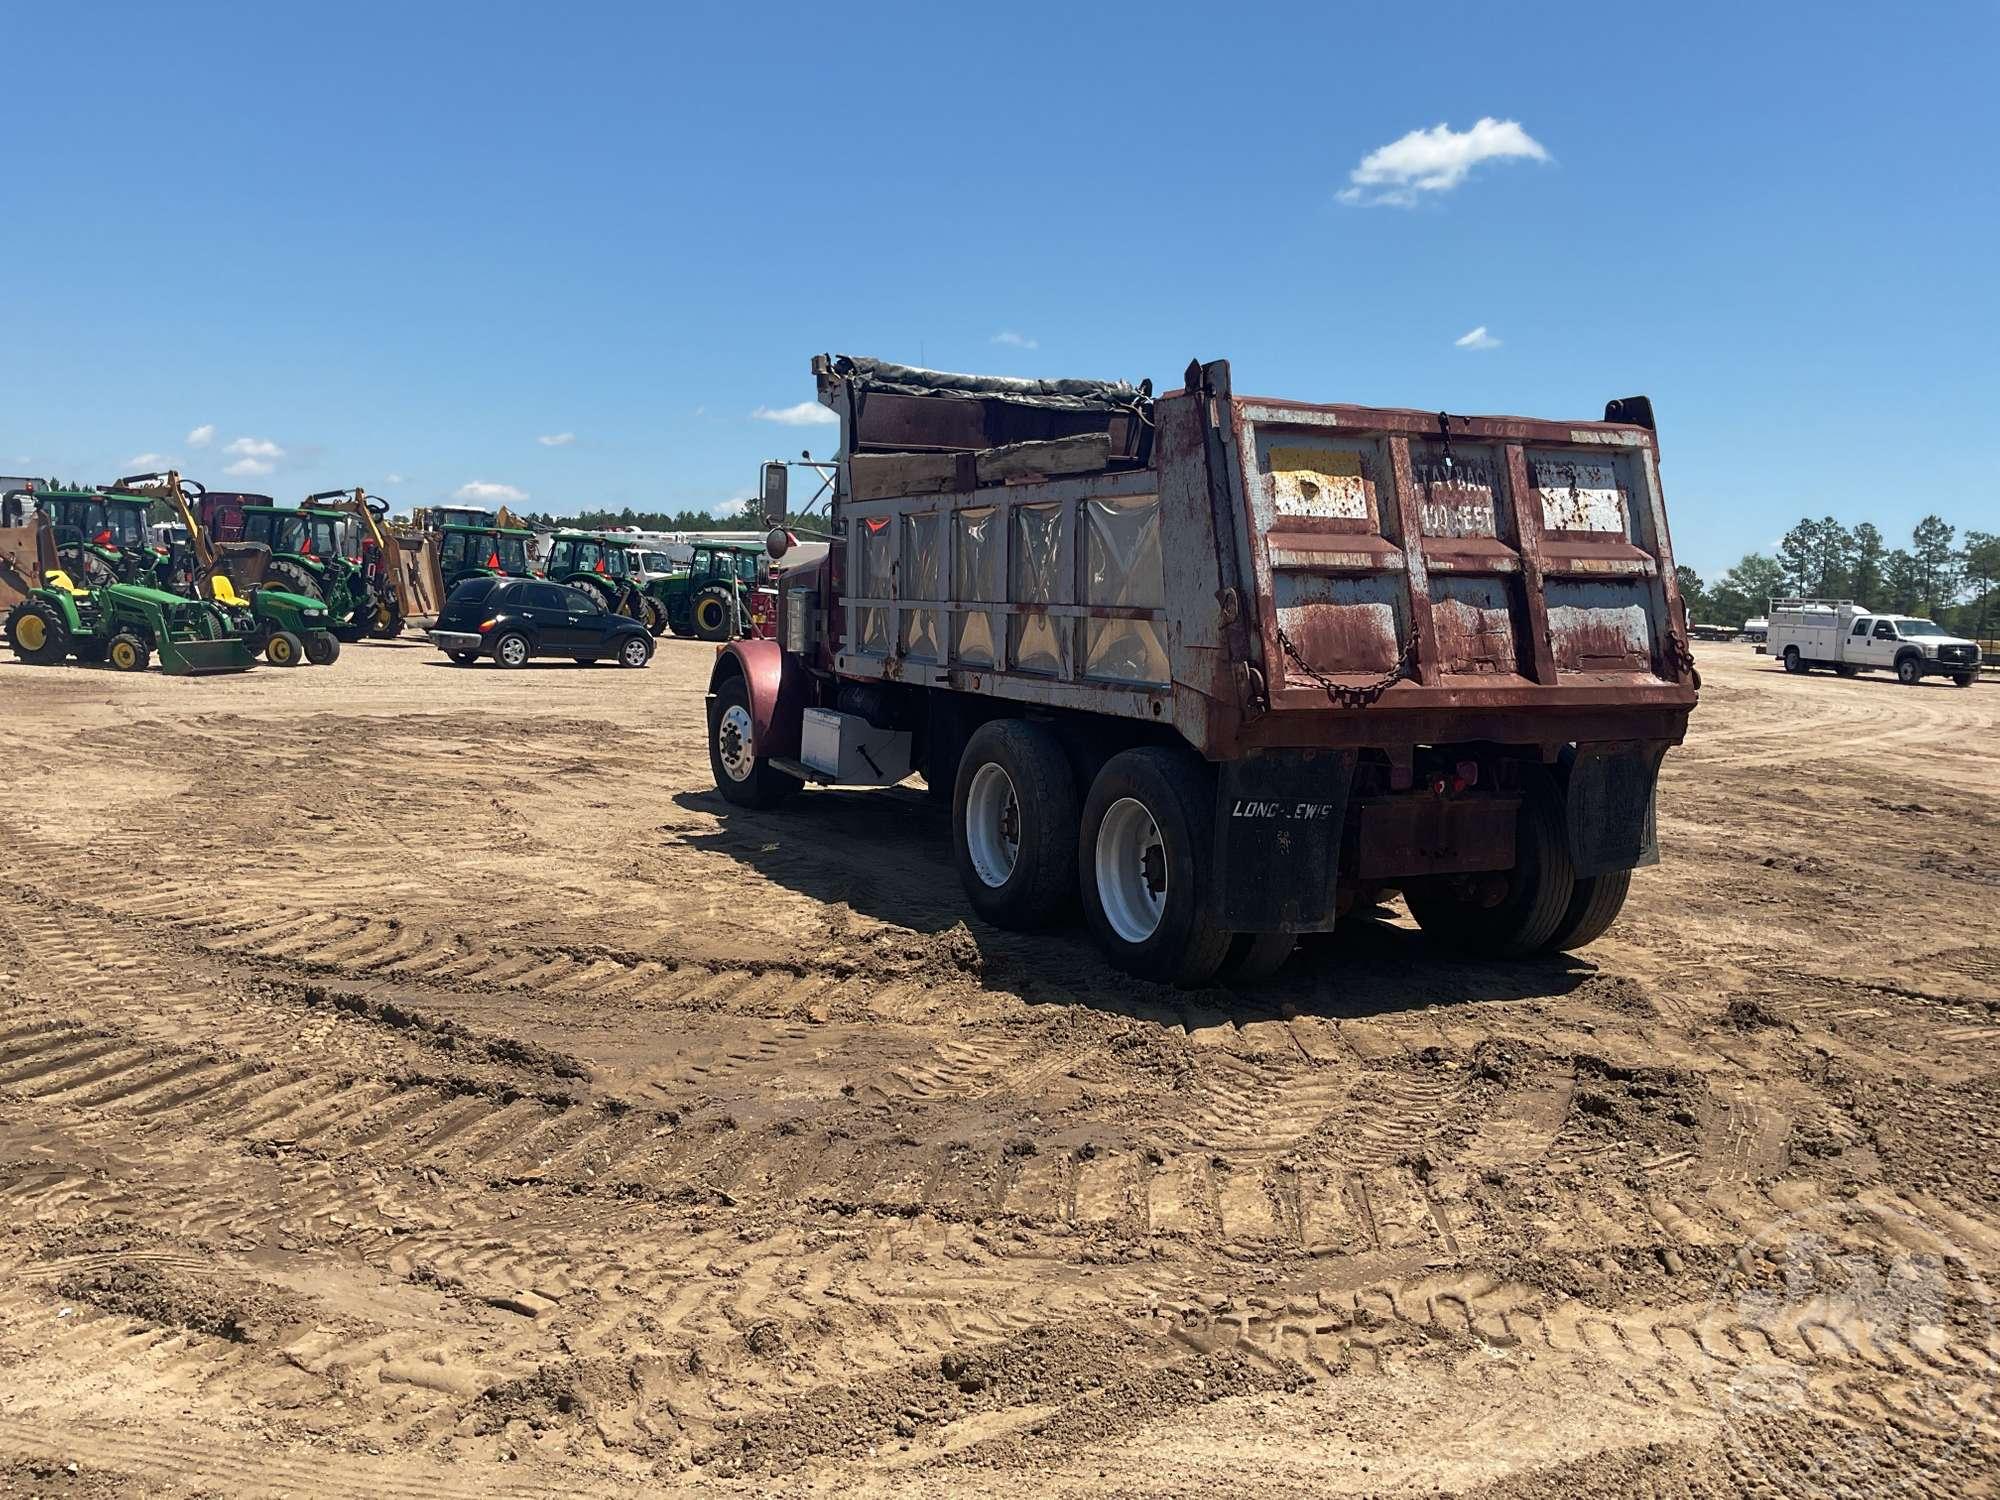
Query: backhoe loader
point(285, 627)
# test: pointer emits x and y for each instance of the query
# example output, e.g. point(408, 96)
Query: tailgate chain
point(1681, 655)
point(1339, 693)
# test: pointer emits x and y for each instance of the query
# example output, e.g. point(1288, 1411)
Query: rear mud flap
point(1278, 820)
point(1609, 807)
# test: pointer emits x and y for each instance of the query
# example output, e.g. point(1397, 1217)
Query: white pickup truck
point(1838, 633)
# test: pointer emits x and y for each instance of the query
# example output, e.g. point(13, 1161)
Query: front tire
point(1966, 679)
point(742, 775)
point(128, 653)
point(1909, 671)
point(1013, 825)
point(512, 650)
point(322, 650)
point(1512, 913)
point(283, 649)
point(1144, 857)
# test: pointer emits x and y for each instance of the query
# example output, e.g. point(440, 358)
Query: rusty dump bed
point(1258, 572)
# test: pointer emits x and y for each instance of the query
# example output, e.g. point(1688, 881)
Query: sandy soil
point(416, 1082)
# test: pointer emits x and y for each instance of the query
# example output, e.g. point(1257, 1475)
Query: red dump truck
point(1223, 667)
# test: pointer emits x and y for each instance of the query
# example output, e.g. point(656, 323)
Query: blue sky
point(419, 240)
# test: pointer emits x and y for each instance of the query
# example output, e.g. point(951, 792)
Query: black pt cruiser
point(515, 619)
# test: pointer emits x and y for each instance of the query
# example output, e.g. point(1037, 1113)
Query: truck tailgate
point(1410, 559)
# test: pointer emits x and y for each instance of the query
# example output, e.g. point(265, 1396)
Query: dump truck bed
point(1257, 572)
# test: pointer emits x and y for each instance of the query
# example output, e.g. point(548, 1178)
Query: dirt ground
point(417, 1082)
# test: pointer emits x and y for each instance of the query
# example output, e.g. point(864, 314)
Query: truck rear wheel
point(1793, 661)
point(742, 775)
point(1144, 857)
point(1511, 913)
point(1255, 956)
point(1593, 907)
point(1013, 825)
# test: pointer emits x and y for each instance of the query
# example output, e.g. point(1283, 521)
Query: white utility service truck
point(1849, 638)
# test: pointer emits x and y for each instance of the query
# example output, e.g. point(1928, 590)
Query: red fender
point(778, 692)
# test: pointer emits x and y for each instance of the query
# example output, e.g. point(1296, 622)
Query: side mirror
point(773, 492)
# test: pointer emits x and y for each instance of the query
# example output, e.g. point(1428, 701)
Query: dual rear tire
point(1138, 854)
point(1135, 854)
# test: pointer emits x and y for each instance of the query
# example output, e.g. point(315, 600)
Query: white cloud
point(392, 478)
point(148, 461)
point(557, 439)
point(249, 447)
point(202, 436)
point(480, 489)
point(1436, 161)
point(1479, 338)
point(729, 508)
point(1016, 340)
point(805, 414)
point(249, 468)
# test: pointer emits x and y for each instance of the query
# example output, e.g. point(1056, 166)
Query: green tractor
point(608, 568)
point(717, 596)
point(125, 624)
point(105, 535)
point(283, 627)
point(475, 551)
point(316, 554)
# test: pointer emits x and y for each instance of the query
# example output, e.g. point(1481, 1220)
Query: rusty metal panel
point(1600, 625)
point(1340, 625)
point(1458, 490)
point(1307, 475)
point(1475, 624)
point(1579, 492)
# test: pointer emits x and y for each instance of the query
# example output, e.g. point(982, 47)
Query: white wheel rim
point(516, 652)
point(732, 742)
point(993, 825)
point(1130, 857)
